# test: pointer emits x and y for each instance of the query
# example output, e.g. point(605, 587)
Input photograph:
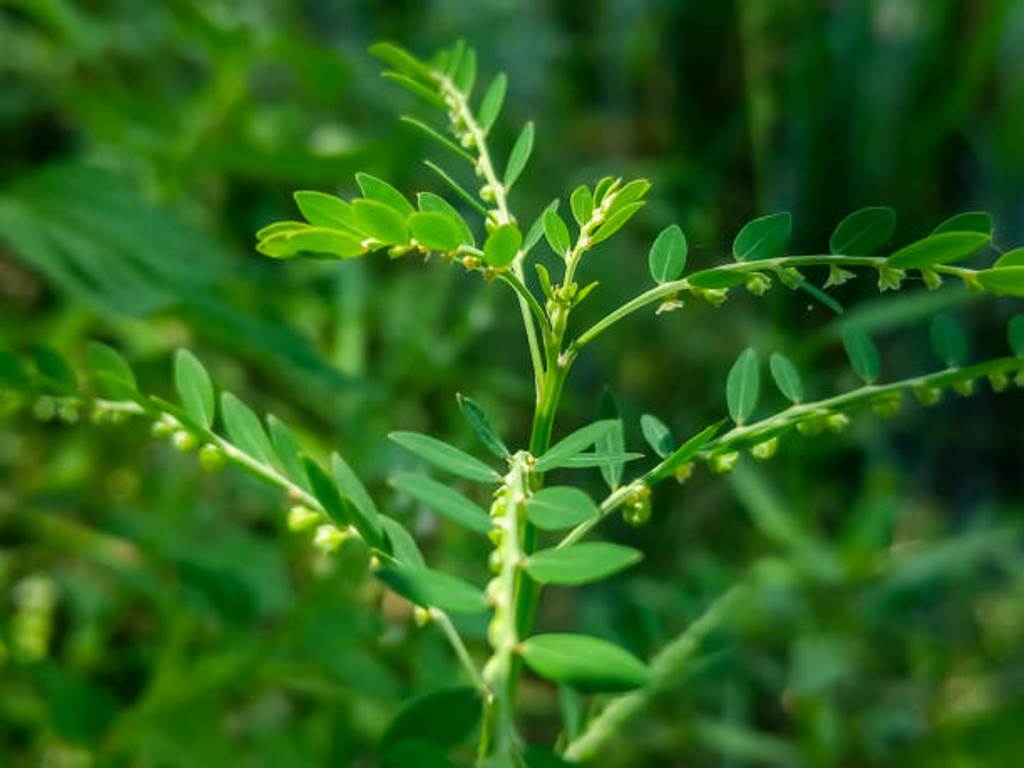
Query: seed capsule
point(724, 463)
point(927, 395)
point(302, 518)
point(184, 441)
point(211, 458)
point(765, 450)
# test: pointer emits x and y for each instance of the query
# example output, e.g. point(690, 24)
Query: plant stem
point(665, 290)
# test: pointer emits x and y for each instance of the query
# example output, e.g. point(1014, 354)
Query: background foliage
point(153, 615)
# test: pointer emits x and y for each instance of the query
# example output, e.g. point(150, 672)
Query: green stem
point(665, 290)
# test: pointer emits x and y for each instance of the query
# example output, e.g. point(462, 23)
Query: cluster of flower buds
point(636, 510)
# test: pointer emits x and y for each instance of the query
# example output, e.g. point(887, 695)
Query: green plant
point(535, 530)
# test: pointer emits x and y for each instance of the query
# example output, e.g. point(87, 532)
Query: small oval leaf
point(586, 663)
point(559, 507)
point(580, 563)
point(743, 386)
point(763, 238)
point(429, 588)
point(667, 258)
point(862, 353)
point(863, 232)
point(434, 231)
point(447, 457)
point(786, 377)
point(949, 341)
point(944, 248)
point(444, 500)
point(502, 245)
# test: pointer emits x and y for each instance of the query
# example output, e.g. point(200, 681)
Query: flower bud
point(302, 518)
point(329, 538)
point(486, 193)
point(837, 422)
point(211, 458)
point(184, 441)
point(964, 388)
point(421, 616)
point(811, 427)
point(932, 279)
point(888, 406)
point(44, 408)
point(890, 278)
point(68, 413)
point(765, 450)
point(637, 509)
point(724, 463)
point(164, 427)
point(759, 283)
point(999, 381)
point(927, 395)
point(838, 276)
point(683, 472)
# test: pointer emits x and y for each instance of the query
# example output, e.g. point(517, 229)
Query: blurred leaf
point(786, 377)
point(194, 387)
point(949, 341)
point(113, 374)
point(57, 375)
point(367, 518)
point(445, 717)
point(862, 353)
point(1015, 335)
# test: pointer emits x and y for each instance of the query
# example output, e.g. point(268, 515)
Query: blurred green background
point(151, 615)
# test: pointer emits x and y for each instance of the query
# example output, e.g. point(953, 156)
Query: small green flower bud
point(669, 305)
point(927, 395)
point(890, 278)
point(811, 427)
point(714, 296)
point(494, 561)
point(887, 406)
point(421, 616)
point(1019, 379)
point(837, 422)
point(932, 279)
point(838, 276)
point(964, 388)
point(683, 472)
point(211, 458)
point(164, 427)
point(637, 509)
point(999, 381)
point(486, 193)
point(44, 408)
point(302, 518)
point(759, 283)
point(495, 631)
point(724, 463)
point(765, 450)
point(471, 262)
point(329, 538)
point(184, 441)
point(68, 413)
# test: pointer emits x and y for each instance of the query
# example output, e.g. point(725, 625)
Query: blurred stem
point(667, 668)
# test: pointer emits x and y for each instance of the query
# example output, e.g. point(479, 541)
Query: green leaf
point(431, 203)
point(614, 441)
point(615, 221)
point(944, 248)
point(465, 75)
point(536, 229)
point(445, 717)
point(287, 450)
point(56, 374)
point(1014, 258)
point(444, 456)
point(382, 192)
point(429, 95)
point(1015, 335)
point(444, 500)
point(786, 377)
point(381, 222)
point(973, 221)
point(743, 386)
point(434, 231)
point(490, 104)
point(321, 210)
point(278, 227)
point(1008, 281)
point(657, 435)
point(245, 430)
point(286, 244)
point(456, 187)
point(416, 754)
point(502, 245)
point(582, 204)
point(580, 563)
point(366, 517)
point(113, 374)
point(587, 663)
point(194, 387)
point(686, 451)
point(12, 373)
point(862, 353)
point(556, 232)
point(573, 444)
point(559, 507)
point(519, 155)
point(597, 459)
point(763, 238)
point(430, 588)
point(538, 757)
point(949, 341)
point(401, 60)
point(403, 545)
point(326, 492)
point(716, 279)
point(481, 425)
point(629, 194)
point(667, 257)
point(863, 232)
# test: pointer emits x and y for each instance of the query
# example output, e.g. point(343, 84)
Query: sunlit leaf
point(556, 232)
point(382, 192)
point(581, 202)
point(194, 387)
point(320, 210)
point(615, 221)
point(289, 243)
point(502, 245)
point(445, 717)
point(1008, 281)
point(381, 222)
point(1014, 258)
point(490, 104)
point(431, 203)
point(434, 231)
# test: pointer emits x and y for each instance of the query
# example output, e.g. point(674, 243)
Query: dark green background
point(177, 623)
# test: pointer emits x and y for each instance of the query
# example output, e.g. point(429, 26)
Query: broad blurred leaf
point(113, 374)
point(949, 341)
point(194, 387)
point(743, 386)
point(429, 588)
point(445, 717)
point(862, 353)
point(787, 377)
